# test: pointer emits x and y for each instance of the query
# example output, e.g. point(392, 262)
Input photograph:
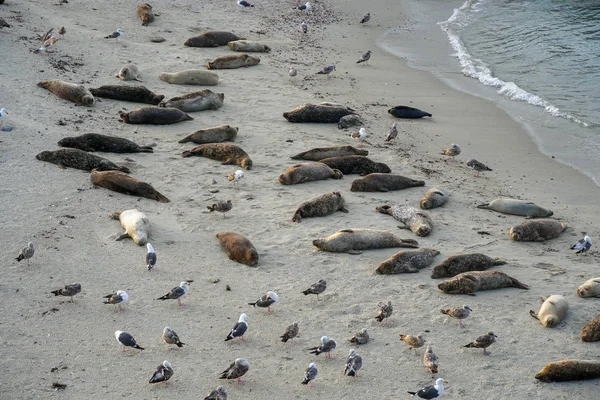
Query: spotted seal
point(417, 221)
point(196, 101)
point(536, 231)
point(407, 261)
point(321, 153)
point(132, 93)
point(378, 182)
point(229, 154)
point(569, 370)
point(320, 206)
point(472, 281)
point(353, 241)
point(433, 198)
point(119, 182)
point(356, 165)
point(307, 172)
point(591, 332)
point(215, 134)
point(233, 61)
point(69, 91)
point(79, 159)
point(458, 264)
point(104, 143)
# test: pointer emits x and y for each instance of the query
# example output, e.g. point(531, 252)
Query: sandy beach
point(67, 218)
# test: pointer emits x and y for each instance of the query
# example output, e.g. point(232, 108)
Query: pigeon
point(477, 166)
point(483, 342)
point(177, 292)
point(327, 70)
point(127, 340)
point(459, 313)
point(115, 35)
point(316, 288)
point(292, 71)
point(236, 370)
point(150, 257)
point(392, 133)
point(361, 337)
point(327, 346)
point(244, 3)
point(361, 135)
point(222, 207)
point(451, 151)
point(163, 373)
point(353, 364)
point(26, 253)
point(366, 18)
point(414, 341)
point(290, 333)
point(169, 336)
point(266, 300)
point(582, 245)
point(431, 392)
point(385, 311)
point(430, 360)
point(235, 178)
point(306, 7)
point(219, 393)
point(239, 329)
point(365, 58)
point(117, 298)
point(304, 27)
point(310, 374)
point(68, 290)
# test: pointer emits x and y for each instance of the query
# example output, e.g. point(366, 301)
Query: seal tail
point(159, 197)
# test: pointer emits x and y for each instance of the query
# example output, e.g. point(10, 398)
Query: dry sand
point(39, 332)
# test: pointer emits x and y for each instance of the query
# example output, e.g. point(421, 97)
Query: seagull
point(239, 329)
point(316, 288)
point(582, 245)
point(163, 373)
point(62, 31)
point(115, 35)
point(68, 290)
point(431, 392)
point(219, 393)
point(26, 253)
point(365, 58)
point(353, 364)
point(292, 71)
point(235, 177)
point(327, 346)
point(361, 135)
point(361, 337)
point(327, 70)
point(177, 292)
point(244, 3)
point(169, 336)
point(392, 133)
point(310, 374)
point(304, 27)
point(385, 311)
point(3, 112)
point(290, 333)
point(366, 18)
point(459, 313)
point(430, 360)
point(127, 340)
point(306, 7)
point(414, 341)
point(236, 370)
point(266, 300)
point(477, 166)
point(150, 257)
point(48, 43)
point(483, 342)
point(451, 151)
point(222, 206)
point(117, 298)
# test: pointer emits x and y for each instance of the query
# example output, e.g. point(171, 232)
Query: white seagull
point(239, 329)
point(3, 112)
point(177, 292)
point(310, 374)
point(582, 245)
point(235, 177)
point(361, 135)
point(127, 340)
point(118, 298)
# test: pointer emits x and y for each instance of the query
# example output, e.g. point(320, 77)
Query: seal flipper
point(122, 236)
point(115, 215)
point(485, 206)
point(533, 314)
point(382, 189)
point(355, 252)
point(146, 149)
point(343, 210)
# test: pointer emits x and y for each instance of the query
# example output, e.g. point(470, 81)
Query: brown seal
point(212, 39)
point(107, 144)
point(79, 159)
point(119, 182)
point(154, 115)
point(196, 101)
point(145, 14)
point(356, 165)
point(317, 113)
point(569, 370)
point(353, 241)
point(590, 288)
point(133, 93)
point(407, 261)
point(378, 182)
point(190, 77)
point(536, 231)
point(472, 281)
point(69, 91)
point(233, 61)
point(417, 221)
point(320, 206)
point(553, 311)
point(591, 332)
point(320, 153)
point(307, 172)
point(455, 265)
point(249, 46)
point(433, 198)
point(229, 154)
point(238, 248)
point(215, 134)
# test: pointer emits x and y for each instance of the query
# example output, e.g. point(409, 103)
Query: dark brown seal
point(133, 93)
point(104, 143)
point(321, 153)
point(569, 370)
point(353, 241)
point(307, 172)
point(69, 91)
point(123, 183)
point(379, 182)
point(229, 154)
point(415, 220)
point(212, 39)
point(316, 113)
point(536, 231)
point(232, 61)
point(455, 265)
point(238, 248)
point(154, 116)
point(215, 134)
point(407, 261)
point(469, 282)
point(145, 14)
point(591, 332)
point(356, 165)
point(320, 206)
point(79, 159)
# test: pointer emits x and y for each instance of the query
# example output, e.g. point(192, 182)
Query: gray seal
point(320, 153)
point(353, 241)
point(433, 198)
point(407, 261)
point(356, 165)
point(307, 172)
point(104, 143)
point(317, 113)
point(79, 159)
point(349, 121)
point(378, 182)
point(458, 264)
point(517, 207)
point(417, 221)
point(320, 206)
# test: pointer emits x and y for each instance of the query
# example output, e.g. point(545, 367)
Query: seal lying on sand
point(320, 206)
point(229, 154)
point(69, 91)
point(190, 77)
point(536, 231)
point(215, 134)
point(307, 172)
point(119, 182)
point(455, 265)
point(79, 159)
point(238, 248)
point(129, 72)
point(379, 182)
point(133, 93)
point(317, 113)
point(349, 121)
point(434, 197)
point(212, 39)
point(355, 165)
point(469, 282)
point(321, 153)
point(569, 370)
point(145, 14)
point(590, 288)
point(249, 46)
point(553, 311)
point(353, 241)
point(107, 144)
point(418, 222)
point(407, 261)
point(196, 101)
point(154, 115)
point(517, 207)
point(135, 223)
point(233, 61)
point(408, 112)
point(591, 332)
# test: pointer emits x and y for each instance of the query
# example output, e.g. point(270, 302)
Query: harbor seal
point(232, 61)
point(69, 91)
point(472, 281)
point(355, 165)
point(569, 370)
point(238, 248)
point(553, 311)
point(317, 113)
point(135, 223)
point(190, 77)
point(321, 153)
point(307, 172)
point(407, 261)
point(145, 14)
point(408, 112)
point(119, 182)
point(455, 265)
point(353, 241)
point(517, 207)
point(320, 206)
point(591, 332)
point(196, 101)
point(590, 288)
point(215, 134)
point(378, 182)
point(107, 144)
point(229, 154)
point(212, 39)
point(249, 46)
point(417, 221)
point(79, 159)
point(133, 93)
point(154, 115)
point(435, 197)
point(536, 231)
point(129, 72)
point(349, 121)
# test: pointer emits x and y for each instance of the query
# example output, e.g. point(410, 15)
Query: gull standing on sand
point(163, 373)
point(292, 72)
point(366, 18)
point(361, 135)
point(236, 370)
point(222, 206)
point(365, 58)
point(582, 245)
point(304, 27)
point(235, 178)
point(459, 313)
point(177, 292)
point(327, 346)
point(150, 257)
point(117, 298)
point(306, 7)
point(316, 288)
point(361, 337)
point(239, 329)
point(353, 364)
point(169, 336)
point(244, 3)
point(310, 374)
point(451, 151)
point(68, 290)
point(392, 133)
point(115, 35)
point(477, 166)
point(431, 392)
point(220, 393)
point(385, 311)
point(127, 340)
point(483, 342)
point(3, 112)
point(413, 341)
point(266, 300)
point(290, 333)
point(327, 70)
point(26, 253)
point(430, 360)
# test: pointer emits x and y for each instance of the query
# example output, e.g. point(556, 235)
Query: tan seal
point(458, 264)
point(249, 46)
point(356, 165)
point(133, 93)
point(119, 182)
point(379, 182)
point(569, 370)
point(104, 143)
point(517, 207)
point(212, 39)
point(320, 153)
point(417, 221)
point(307, 172)
point(154, 115)
point(435, 197)
point(407, 261)
point(229, 154)
point(69, 91)
point(590, 288)
point(190, 77)
point(79, 159)
point(214, 134)
point(129, 72)
point(537, 230)
point(317, 113)
point(353, 241)
point(238, 248)
point(470, 282)
point(135, 223)
point(553, 311)
point(233, 61)
point(145, 14)
point(320, 206)
point(196, 101)
point(591, 332)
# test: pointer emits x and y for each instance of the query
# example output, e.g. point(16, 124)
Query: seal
point(249, 46)
point(349, 121)
point(316, 113)
point(229, 154)
point(435, 197)
point(407, 261)
point(455, 265)
point(145, 14)
point(135, 223)
point(196, 101)
point(79, 159)
point(536, 231)
point(320, 206)
point(69, 91)
point(591, 332)
point(378, 182)
point(517, 207)
point(119, 182)
point(569, 370)
point(408, 112)
point(553, 311)
point(214, 134)
point(133, 93)
point(129, 72)
point(417, 221)
point(307, 172)
point(320, 153)
point(353, 241)
point(238, 248)
point(590, 288)
point(154, 115)
point(107, 144)
point(212, 39)
point(356, 165)
point(190, 77)
point(472, 281)
point(233, 61)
